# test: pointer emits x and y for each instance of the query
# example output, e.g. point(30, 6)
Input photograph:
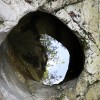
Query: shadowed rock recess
point(28, 56)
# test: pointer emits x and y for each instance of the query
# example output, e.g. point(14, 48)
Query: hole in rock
point(43, 48)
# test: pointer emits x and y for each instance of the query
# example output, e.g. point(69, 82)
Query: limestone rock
point(82, 16)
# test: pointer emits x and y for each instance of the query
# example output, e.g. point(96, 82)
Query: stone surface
point(83, 18)
point(93, 92)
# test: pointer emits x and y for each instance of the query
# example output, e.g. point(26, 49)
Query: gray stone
point(83, 18)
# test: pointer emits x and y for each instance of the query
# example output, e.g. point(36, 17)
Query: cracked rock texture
point(83, 17)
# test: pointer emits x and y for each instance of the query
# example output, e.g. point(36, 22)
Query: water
point(58, 60)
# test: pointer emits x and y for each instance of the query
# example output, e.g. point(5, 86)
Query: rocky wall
point(83, 17)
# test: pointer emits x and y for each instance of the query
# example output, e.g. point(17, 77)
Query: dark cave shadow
point(41, 22)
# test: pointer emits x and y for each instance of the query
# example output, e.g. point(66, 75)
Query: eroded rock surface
point(83, 18)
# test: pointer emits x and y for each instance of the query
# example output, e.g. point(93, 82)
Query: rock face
point(83, 18)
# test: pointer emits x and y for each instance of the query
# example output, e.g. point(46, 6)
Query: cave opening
point(33, 45)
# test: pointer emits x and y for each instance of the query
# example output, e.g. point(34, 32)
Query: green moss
point(62, 96)
point(84, 43)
